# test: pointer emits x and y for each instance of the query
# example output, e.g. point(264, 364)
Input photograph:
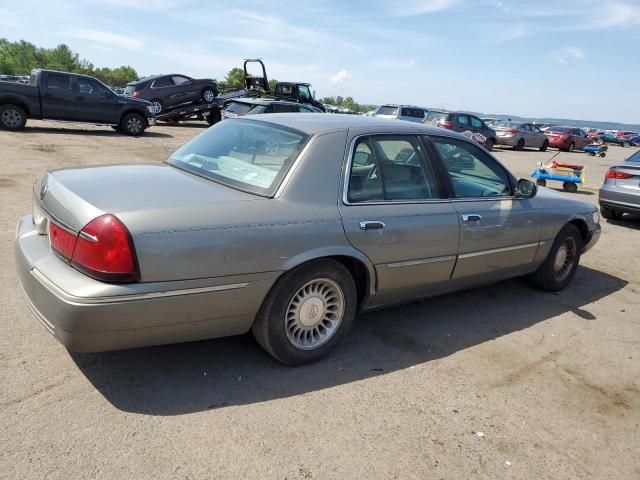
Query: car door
point(58, 100)
point(186, 90)
point(95, 102)
point(499, 233)
point(537, 137)
point(394, 210)
point(462, 123)
point(525, 132)
point(164, 89)
point(582, 140)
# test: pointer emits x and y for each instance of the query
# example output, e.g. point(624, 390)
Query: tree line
point(19, 58)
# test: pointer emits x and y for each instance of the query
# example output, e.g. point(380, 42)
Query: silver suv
point(402, 112)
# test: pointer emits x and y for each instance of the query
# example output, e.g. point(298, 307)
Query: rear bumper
point(133, 315)
point(622, 199)
point(556, 143)
point(510, 141)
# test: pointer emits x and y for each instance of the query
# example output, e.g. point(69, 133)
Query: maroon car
point(567, 138)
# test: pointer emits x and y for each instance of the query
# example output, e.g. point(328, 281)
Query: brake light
point(135, 94)
point(62, 241)
point(446, 124)
point(613, 173)
point(103, 249)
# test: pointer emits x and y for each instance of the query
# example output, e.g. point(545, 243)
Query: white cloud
point(616, 15)
point(567, 54)
point(107, 38)
point(420, 7)
point(340, 77)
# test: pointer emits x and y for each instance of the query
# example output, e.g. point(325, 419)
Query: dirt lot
point(498, 382)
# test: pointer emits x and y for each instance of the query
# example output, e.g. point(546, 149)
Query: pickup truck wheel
point(561, 263)
point(12, 117)
point(307, 312)
point(133, 124)
point(208, 95)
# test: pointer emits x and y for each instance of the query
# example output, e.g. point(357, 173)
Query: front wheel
point(542, 182)
point(133, 124)
point(561, 263)
point(520, 145)
point(12, 117)
point(307, 313)
point(544, 146)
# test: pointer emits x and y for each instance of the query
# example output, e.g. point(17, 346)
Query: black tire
point(489, 144)
point(133, 124)
point(548, 276)
point(208, 95)
point(570, 187)
point(602, 154)
point(271, 327)
point(572, 147)
point(214, 116)
point(625, 144)
point(600, 141)
point(544, 146)
point(158, 106)
point(542, 182)
point(117, 128)
point(611, 213)
point(12, 117)
point(520, 145)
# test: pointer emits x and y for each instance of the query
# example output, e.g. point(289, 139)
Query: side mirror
point(526, 189)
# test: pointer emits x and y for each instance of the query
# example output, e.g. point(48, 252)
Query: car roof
point(401, 106)
point(318, 123)
point(153, 77)
point(264, 101)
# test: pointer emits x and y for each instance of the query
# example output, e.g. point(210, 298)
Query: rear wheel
point(307, 313)
point(572, 147)
point(208, 95)
point(570, 187)
point(561, 263)
point(544, 146)
point(133, 124)
point(12, 117)
point(489, 144)
point(520, 145)
point(157, 106)
point(625, 144)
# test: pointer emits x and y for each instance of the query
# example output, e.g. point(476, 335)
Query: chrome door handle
point(374, 225)
point(471, 217)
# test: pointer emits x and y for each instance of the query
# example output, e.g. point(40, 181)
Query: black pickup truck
point(53, 95)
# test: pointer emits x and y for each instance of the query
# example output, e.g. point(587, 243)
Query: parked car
point(567, 138)
point(252, 106)
point(401, 112)
point(620, 192)
point(170, 91)
point(286, 225)
point(625, 134)
point(634, 141)
point(67, 96)
point(521, 135)
point(607, 137)
point(462, 122)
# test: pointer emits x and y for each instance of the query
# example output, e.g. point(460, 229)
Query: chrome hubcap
point(11, 118)
point(565, 257)
point(314, 314)
point(157, 107)
point(208, 96)
point(134, 125)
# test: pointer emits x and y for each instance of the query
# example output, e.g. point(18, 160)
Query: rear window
point(244, 154)
point(239, 108)
point(412, 112)
point(434, 117)
point(558, 129)
point(634, 158)
point(58, 81)
point(387, 110)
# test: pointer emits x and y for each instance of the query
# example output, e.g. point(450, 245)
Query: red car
point(625, 134)
point(567, 138)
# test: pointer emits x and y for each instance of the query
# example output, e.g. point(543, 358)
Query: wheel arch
point(133, 110)
point(15, 101)
point(358, 265)
point(582, 226)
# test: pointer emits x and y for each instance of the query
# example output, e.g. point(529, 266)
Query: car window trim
point(346, 172)
point(512, 180)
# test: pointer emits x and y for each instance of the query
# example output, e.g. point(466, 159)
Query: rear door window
point(179, 80)
point(412, 113)
point(391, 168)
point(475, 122)
point(162, 82)
point(58, 81)
point(463, 119)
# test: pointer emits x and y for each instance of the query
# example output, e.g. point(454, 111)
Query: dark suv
point(170, 91)
point(462, 122)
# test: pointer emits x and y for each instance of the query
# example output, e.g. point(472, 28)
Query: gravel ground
point(498, 382)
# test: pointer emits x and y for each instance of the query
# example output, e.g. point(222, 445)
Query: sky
point(535, 58)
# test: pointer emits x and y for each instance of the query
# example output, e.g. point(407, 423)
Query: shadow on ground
point(191, 377)
point(628, 220)
point(107, 132)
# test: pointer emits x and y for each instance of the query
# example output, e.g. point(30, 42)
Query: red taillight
point(62, 241)
point(513, 131)
point(446, 124)
point(103, 249)
point(135, 94)
point(612, 173)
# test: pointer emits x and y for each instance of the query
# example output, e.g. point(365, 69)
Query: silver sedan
point(521, 136)
point(286, 225)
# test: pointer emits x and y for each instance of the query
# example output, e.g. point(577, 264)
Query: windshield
point(433, 118)
point(239, 108)
point(387, 110)
point(247, 155)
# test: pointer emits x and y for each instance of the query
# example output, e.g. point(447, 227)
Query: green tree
point(235, 78)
